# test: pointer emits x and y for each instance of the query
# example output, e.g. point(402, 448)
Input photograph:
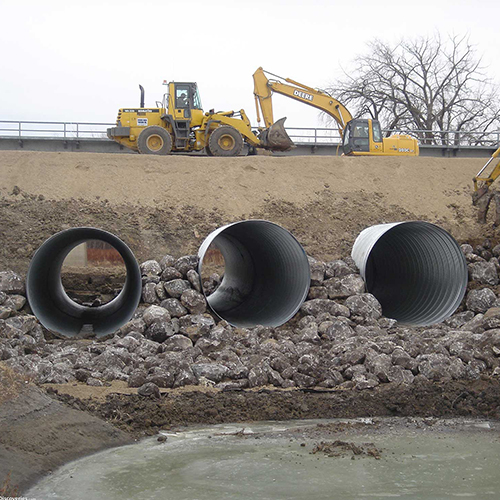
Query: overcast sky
point(81, 61)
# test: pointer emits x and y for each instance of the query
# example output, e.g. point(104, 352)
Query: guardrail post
point(64, 130)
point(20, 135)
point(77, 130)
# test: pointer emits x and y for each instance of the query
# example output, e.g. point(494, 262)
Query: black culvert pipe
point(52, 306)
point(416, 270)
point(266, 275)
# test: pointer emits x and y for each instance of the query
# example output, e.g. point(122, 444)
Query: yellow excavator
point(482, 195)
point(179, 123)
point(359, 136)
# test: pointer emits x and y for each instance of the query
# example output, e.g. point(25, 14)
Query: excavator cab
point(360, 136)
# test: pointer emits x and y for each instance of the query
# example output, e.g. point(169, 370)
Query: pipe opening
point(93, 273)
point(66, 314)
point(416, 270)
point(266, 273)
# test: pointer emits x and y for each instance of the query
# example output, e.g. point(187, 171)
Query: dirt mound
point(37, 433)
point(162, 205)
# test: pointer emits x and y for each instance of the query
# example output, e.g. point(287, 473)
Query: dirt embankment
point(162, 205)
point(38, 433)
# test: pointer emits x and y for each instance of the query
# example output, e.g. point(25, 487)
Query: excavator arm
point(481, 183)
point(264, 87)
point(482, 196)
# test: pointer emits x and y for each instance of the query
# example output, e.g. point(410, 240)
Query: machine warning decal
point(299, 93)
point(142, 122)
point(141, 110)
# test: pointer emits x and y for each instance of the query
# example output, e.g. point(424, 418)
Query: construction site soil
point(168, 205)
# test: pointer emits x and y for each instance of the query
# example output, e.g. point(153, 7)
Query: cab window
point(182, 96)
point(377, 132)
point(196, 100)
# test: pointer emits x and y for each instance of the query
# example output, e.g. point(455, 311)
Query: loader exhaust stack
point(52, 306)
point(266, 276)
point(416, 270)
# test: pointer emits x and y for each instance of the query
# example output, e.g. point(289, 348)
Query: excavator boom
point(264, 87)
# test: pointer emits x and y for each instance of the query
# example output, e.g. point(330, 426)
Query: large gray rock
point(185, 377)
point(170, 273)
point(317, 292)
point(257, 376)
point(212, 371)
point(178, 343)
point(174, 307)
point(15, 302)
point(484, 273)
point(160, 291)
point(352, 284)
point(337, 269)
point(196, 326)
point(194, 301)
point(186, 263)
point(194, 278)
point(154, 313)
point(434, 366)
point(10, 282)
point(166, 261)
point(149, 390)
point(480, 300)
point(159, 330)
point(161, 377)
point(134, 325)
point(149, 293)
point(150, 268)
point(5, 312)
point(176, 288)
point(318, 306)
point(380, 366)
point(317, 269)
point(364, 305)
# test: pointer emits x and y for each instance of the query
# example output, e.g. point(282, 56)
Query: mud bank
point(39, 434)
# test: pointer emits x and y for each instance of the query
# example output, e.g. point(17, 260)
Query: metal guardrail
point(300, 135)
point(53, 130)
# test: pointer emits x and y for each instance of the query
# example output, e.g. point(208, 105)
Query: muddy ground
point(141, 416)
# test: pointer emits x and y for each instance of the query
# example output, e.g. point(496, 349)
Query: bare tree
point(424, 84)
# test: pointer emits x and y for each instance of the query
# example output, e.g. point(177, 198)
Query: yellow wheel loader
point(180, 125)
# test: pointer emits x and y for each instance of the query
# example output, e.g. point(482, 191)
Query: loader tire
point(225, 141)
point(154, 140)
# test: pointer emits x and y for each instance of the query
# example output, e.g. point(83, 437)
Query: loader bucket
point(275, 137)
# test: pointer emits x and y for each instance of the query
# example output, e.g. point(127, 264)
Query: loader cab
point(184, 103)
point(360, 134)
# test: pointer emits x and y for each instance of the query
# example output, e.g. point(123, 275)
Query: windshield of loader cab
point(196, 99)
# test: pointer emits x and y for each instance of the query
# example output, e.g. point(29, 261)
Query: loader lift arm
point(264, 87)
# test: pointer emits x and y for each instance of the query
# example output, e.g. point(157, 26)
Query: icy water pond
point(418, 459)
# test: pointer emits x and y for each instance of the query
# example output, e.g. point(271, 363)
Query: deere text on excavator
point(179, 124)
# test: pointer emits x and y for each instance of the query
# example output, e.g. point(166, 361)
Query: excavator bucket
point(275, 137)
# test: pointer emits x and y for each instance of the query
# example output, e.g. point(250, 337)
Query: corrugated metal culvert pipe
point(52, 306)
point(266, 274)
point(416, 270)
